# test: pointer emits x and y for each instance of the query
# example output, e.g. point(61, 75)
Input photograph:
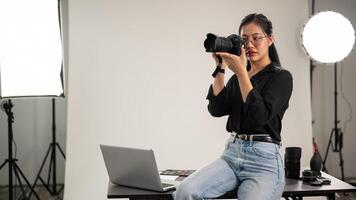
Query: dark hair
point(266, 26)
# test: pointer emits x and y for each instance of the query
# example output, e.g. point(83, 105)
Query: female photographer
point(255, 99)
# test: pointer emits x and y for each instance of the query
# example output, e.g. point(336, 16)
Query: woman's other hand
point(235, 63)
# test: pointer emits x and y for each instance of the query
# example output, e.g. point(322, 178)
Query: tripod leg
point(54, 177)
point(60, 149)
point(341, 141)
point(60, 189)
point(3, 164)
point(46, 186)
point(342, 166)
point(327, 150)
point(24, 178)
point(50, 167)
point(41, 168)
point(20, 182)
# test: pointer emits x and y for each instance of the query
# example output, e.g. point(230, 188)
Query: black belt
point(258, 137)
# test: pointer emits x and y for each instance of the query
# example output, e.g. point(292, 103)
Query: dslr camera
point(232, 44)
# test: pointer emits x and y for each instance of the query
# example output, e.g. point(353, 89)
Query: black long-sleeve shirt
point(265, 104)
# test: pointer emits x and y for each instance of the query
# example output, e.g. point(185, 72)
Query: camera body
point(232, 44)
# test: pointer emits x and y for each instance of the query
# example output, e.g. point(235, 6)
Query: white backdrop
point(138, 77)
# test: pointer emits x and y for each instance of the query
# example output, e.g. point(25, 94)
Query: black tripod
point(336, 132)
point(52, 163)
point(13, 167)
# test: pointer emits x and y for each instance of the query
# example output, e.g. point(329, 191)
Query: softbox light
point(30, 49)
point(328, 37)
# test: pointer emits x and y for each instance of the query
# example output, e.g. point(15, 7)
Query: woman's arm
point(260, 108)
point(218, 96)
point(219, 83)
point(245, 85)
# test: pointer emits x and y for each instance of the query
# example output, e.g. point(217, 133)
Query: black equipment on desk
point(292, 162)
point(314, 179)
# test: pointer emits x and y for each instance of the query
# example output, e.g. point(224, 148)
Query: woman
point(255, 99)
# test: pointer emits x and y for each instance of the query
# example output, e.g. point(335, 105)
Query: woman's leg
point(211, 181)
point(263, 175)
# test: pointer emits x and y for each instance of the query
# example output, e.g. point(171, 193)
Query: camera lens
point(231, 44)
point(292, 161)
point(209, 42)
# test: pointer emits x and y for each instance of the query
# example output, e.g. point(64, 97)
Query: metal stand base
point(11, 161)
point(337, 148)
point(52, 161)
point(53, 191)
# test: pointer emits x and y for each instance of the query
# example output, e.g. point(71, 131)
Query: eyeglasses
point(256, 40)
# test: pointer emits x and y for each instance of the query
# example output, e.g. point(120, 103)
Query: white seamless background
point(138, 76)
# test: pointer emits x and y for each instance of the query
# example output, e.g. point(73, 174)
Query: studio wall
point(138, 77)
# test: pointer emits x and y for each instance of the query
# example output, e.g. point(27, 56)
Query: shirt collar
point(272, 67)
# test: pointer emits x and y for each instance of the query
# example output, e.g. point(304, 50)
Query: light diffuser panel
point(30, 48)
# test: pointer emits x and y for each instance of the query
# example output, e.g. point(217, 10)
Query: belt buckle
point(242, 137)
point(232, 137)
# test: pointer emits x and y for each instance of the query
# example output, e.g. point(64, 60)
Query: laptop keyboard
point(166, 185)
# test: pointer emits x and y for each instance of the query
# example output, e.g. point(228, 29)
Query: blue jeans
point(254, 169)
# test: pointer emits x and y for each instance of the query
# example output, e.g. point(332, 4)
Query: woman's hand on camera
point(235, 63)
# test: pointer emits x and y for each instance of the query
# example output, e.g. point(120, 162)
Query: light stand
point(52, 159)
point(336, 132)
point(41, 67)
point(13, 167)
point(313, 43)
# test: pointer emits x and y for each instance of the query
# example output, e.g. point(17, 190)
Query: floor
point(40, 190)
point(350, 196)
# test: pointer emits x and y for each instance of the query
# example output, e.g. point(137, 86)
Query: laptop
point(134, 168)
